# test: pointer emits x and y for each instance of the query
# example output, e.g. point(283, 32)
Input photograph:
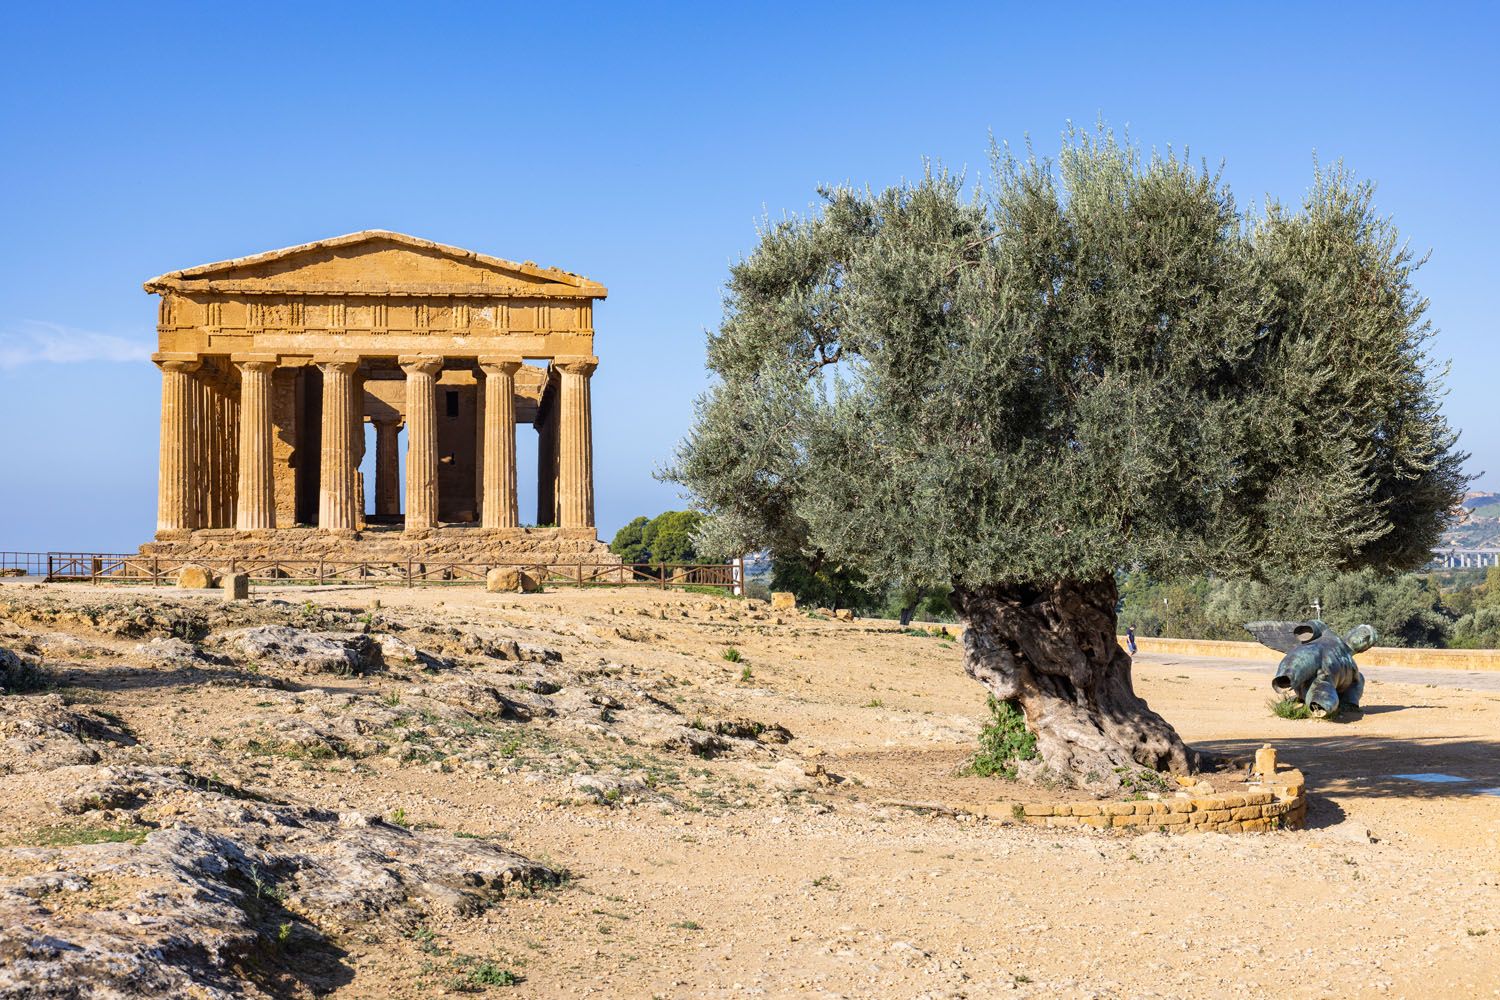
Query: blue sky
point(640, 145)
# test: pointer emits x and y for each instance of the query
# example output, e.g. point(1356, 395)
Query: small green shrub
point(732, 655)
point(1288, 708)
point(490, 974)
point(1003, 742)
point(746, 676)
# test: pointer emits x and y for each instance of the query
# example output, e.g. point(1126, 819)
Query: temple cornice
point(230, 286)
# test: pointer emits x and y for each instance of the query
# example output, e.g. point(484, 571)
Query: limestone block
point(1265, 761)
point(783, 600)
point(509, 581)
point(195, 577)
point(1038, 809)
point(236, 586)
point(844, 615)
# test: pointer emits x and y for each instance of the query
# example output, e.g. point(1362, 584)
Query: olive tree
point(1099, 362)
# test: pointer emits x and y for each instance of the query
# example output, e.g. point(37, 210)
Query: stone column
point(177, 486)
point(575, 472)
point(421, 441)
point(338, 502)
point(387, 469)
point(255, 499)
point(499, 506)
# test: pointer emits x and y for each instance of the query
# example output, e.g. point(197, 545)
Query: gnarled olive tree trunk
point(1051, 649)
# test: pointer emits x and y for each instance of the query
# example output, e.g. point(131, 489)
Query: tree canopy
point(1100, 362)
point(665, 538)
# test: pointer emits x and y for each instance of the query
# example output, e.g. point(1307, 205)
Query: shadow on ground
point(1344, 765)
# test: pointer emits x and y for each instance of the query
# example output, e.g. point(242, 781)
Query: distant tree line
point(665, 538)
point(1457, 609)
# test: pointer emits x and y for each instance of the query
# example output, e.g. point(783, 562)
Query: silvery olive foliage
point(1097, 361)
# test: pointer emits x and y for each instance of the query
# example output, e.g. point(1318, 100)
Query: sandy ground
point(766, 882)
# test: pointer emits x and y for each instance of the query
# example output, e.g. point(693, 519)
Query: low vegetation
point(1289, 708)
point(1003, 742)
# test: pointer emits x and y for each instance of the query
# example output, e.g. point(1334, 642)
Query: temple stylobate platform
point(273, 365)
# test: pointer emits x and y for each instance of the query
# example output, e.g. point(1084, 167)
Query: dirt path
point(778, 872)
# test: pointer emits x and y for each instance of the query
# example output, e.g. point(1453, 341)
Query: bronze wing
point(1280, 636)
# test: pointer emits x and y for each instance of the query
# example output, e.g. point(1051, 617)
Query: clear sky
point(639, 145)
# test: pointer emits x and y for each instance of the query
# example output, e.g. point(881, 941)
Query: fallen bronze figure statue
point(1319, 664)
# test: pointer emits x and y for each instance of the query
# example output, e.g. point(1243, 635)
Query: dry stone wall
point(1272, 805)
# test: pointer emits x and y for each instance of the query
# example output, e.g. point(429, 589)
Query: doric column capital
point(179, 366)
point(420, 364)
point(338, 367)
point(579, 365)
point(387, 421)
point(259, 367)
point(500, 366)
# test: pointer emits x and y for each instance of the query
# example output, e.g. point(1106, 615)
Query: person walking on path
point(1130, 639)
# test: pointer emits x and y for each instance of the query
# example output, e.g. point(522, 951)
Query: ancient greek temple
point(274, 366)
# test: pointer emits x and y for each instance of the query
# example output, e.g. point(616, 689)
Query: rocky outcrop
point(308, 652)
point(229, 895)
point(40, 732)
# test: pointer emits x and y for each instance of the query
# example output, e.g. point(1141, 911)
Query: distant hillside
point(1479, 527)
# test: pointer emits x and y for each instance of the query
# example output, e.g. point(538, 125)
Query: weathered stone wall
point(1273, 805)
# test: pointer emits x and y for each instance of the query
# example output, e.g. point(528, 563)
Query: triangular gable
point(379, 262)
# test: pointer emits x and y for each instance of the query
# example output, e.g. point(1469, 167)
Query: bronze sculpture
point(1319, 665)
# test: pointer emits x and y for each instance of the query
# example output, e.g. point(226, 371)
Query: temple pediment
point(376, 262)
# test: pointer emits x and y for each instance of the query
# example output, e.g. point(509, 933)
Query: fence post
point(49, 568)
